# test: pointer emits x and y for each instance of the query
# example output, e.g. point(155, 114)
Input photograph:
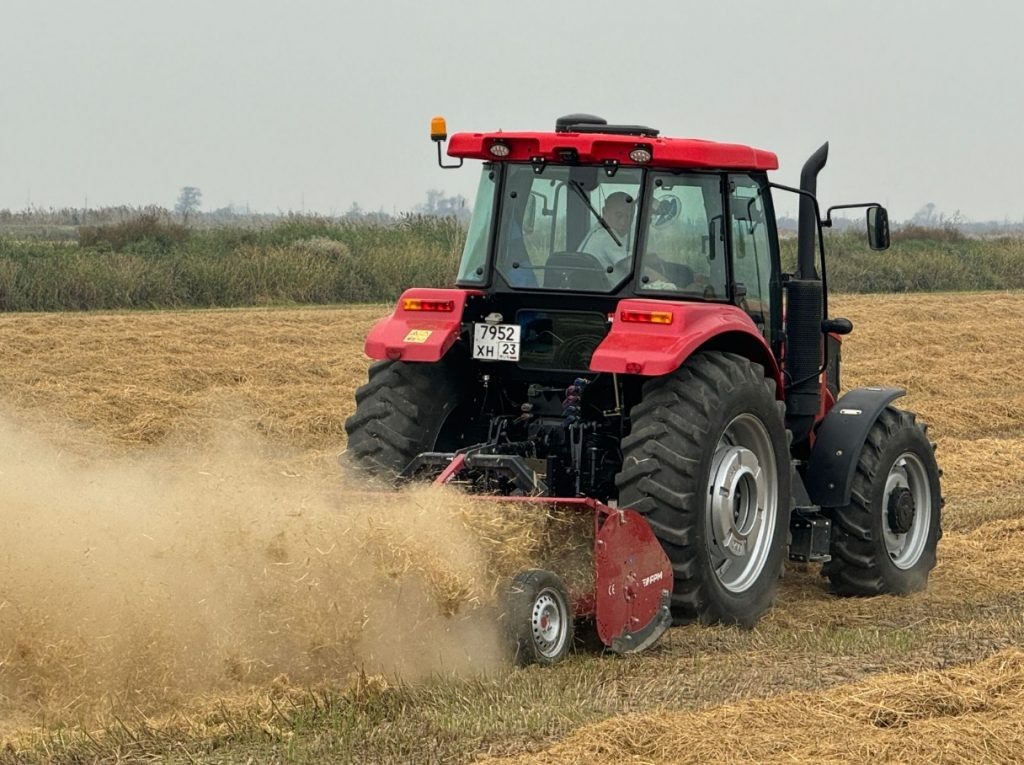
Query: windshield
point(567, 228)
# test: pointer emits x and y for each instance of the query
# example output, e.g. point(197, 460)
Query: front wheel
point(885, 540)
point(707, 463)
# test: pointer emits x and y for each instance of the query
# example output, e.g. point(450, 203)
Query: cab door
point(754, 252)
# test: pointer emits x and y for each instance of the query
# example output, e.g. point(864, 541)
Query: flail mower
point(621, 340)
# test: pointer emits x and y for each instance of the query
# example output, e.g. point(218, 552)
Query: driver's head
point(618, 211)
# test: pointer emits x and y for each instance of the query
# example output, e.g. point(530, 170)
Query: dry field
point(185, 575)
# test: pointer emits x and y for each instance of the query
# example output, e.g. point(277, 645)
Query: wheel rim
point(742, 503)
point(907, 481)
point(549, 623)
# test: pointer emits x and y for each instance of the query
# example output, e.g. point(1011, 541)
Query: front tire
point(885, 540)
point(707, 463)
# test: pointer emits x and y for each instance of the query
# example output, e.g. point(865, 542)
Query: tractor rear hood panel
point(409, 335)
point(654, 349)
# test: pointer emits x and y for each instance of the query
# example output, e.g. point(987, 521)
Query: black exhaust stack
point(804, 301)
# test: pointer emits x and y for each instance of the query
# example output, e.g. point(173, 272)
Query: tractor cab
point(615, 211)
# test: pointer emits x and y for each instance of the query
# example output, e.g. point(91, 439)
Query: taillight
point(646, 317)
point(418, 304)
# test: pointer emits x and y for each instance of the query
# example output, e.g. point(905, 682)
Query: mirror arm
point(801, 192)
point(827, 223)
point(821, 238)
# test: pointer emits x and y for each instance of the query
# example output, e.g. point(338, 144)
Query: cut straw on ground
point(239, 415)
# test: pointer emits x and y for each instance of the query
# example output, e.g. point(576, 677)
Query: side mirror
point(878, 228)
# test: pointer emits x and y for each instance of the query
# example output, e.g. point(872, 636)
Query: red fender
point(419, 335)
point(656, 348)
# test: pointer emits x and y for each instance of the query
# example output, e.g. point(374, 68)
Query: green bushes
point(148, 262)
point(146, 232)
point(941, 260)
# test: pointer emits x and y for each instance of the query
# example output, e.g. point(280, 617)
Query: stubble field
point(187, 575)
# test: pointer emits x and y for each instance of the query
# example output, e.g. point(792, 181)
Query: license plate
point(496, 342)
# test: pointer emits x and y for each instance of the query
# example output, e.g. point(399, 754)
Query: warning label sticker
point(418, 335)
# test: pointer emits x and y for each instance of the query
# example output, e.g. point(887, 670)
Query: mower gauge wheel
point(538, 618)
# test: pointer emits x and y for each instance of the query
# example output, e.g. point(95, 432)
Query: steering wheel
point(667, 211)
point(574, 260)
point(581, 270)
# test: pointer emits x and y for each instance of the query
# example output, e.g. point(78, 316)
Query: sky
point(315, 105)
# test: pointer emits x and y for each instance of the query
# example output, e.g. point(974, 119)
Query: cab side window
point(752, 255)
point(685, 239)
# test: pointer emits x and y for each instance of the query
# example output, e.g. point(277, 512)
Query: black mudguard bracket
point(840, 438)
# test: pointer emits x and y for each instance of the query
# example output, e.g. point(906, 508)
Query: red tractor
point(622, 339)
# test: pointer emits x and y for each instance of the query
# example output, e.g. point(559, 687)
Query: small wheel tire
point(539, 618)
point(885, 540)
point(707, 462)
point(400, 413)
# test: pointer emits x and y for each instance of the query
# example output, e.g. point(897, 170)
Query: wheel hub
point(546, 624)
point(737, 499)
point(742, 503)
point(906, 504)
point(901, 510)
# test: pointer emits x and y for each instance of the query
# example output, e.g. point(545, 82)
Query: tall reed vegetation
point(147, 261)
point(150, 263)
point(921, 259)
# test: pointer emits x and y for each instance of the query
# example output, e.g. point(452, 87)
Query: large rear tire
point(400, 413)
point(885, 540)
point(707, 462)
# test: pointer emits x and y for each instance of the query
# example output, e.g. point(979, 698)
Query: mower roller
point(622, 341)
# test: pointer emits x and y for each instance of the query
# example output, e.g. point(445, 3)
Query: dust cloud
point(134, 581)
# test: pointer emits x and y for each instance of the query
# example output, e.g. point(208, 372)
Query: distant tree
point(441, 206)
point(926, 216)
point(190, 199)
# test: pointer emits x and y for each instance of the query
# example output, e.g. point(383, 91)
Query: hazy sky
point(320, 104)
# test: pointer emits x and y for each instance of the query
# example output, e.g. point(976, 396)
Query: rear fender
point(410, 335)
point(653, 350)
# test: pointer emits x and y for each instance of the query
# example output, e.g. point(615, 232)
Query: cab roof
point(590, 146)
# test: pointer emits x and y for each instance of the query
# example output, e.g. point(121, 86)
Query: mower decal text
point(418, 335)
point(656, 577)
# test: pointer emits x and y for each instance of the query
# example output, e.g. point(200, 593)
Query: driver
point(618, 212)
